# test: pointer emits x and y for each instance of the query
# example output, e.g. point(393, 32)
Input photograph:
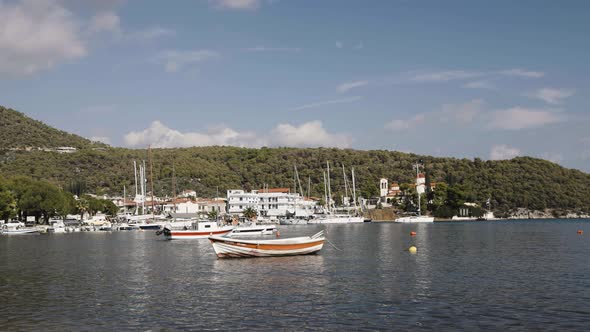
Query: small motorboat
point(198, 230)
point(253, 229)
point(230, 247)
point(17, 229)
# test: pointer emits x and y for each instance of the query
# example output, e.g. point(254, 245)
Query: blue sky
point(469, 79)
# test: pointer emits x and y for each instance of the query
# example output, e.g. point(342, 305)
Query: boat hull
point(20, 232)
point(337, 220)
point(193, 234)
point(253, 230)
point(421, 219)
point(232, 248)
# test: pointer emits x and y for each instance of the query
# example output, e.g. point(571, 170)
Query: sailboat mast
point(419, 197)
point(325, 191)
point(174, 187)
point(135, 174)
point(353, 189)
point(329, 189)
point(151, 177)
point(124, 205)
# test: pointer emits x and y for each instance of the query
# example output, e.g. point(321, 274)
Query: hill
point(522, 182)
point(18, 131)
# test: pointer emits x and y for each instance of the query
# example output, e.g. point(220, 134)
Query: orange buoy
point(412, 233)
point(580, 231)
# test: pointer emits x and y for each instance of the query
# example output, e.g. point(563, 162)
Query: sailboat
point(330, 217)
point(419, 217)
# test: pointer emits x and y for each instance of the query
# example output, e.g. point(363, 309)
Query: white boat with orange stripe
point(230, 247)
point(197, 230)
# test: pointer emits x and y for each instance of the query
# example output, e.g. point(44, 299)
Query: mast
point(151, 177)
point(353, 189)
point(174, 187)
point(308, 186)
point(345, 183)
point(124, 205)
point(325, 191)
point(135, 173)
point(329, 189)
point(418, 191)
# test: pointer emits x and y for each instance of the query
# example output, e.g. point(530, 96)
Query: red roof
point(275, 190)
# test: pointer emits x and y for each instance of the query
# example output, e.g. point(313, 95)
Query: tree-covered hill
point(18, 131)
point(521, 182)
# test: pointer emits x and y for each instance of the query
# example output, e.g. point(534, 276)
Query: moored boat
point(198, 230)
point(336, 219)
point(17, 229)
point(230, 247)
point(253, 229)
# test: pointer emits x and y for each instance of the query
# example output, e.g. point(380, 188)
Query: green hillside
point(521, 182)
point(18, 131)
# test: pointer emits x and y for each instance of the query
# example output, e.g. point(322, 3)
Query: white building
point(383, 189)
point(270, 203)
point(421, 183)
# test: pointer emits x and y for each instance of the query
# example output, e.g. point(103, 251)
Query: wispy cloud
point(517, 118)
point(478, 85)
point(327, 102)
point(272, 49)
point(236, 4)
point(454, 114)
point(522, 73)
point(150, 34)
point(444, 76)
point(345, 87)
point(339, 44)
point(503, 151)
point(552, 96)
point(174, 60)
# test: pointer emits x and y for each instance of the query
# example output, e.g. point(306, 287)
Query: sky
point(488, 79)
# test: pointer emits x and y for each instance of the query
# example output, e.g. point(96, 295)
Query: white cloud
point(359, 46)
point(149, 34)
point(174, 60)
point(400, 125)
point(461, 113)
point(309, 134)
point(445, 76)
point(518, 72)
point(102, 139)
point(272, 49)
point(516, 118)
point(501, 152)
point(105, 21)
point(345, 87)
point(327, 102)
point(37, 35)
point(339, 44)
point(236, 4)
point(552, 96)
point(160, 136)
point(455, 114)
point(478, 85)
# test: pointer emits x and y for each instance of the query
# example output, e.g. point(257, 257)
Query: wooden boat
point(230, 247)
point(253, 229)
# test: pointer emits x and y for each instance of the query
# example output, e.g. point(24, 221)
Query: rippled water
point(468, 276)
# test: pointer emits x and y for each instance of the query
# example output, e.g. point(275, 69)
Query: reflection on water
point(496, 275)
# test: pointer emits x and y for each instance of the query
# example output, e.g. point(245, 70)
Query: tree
point(250, 213)
point(82, 207)
point(213, 215)
point(7, 202)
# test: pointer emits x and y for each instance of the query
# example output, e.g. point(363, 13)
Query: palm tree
point(250, 213)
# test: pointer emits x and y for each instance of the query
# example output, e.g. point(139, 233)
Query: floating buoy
point(580, 231)
point(412, 233)
point(412, 249)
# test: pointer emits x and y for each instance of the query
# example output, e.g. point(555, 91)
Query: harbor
point(139, 280)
